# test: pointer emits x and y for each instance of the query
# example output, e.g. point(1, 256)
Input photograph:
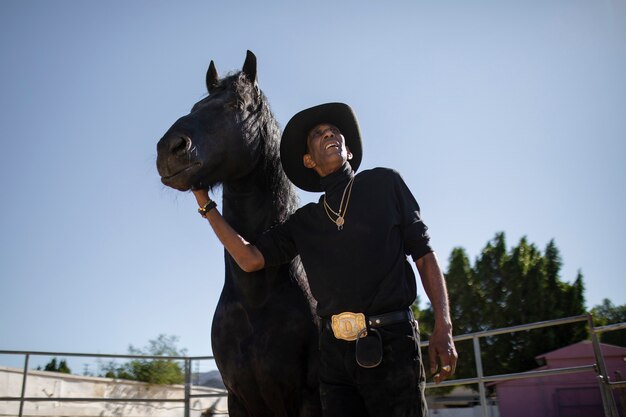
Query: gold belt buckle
point(346, 326)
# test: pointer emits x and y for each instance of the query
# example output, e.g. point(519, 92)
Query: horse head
point(221, 138)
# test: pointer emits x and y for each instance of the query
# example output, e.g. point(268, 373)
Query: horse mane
point(259, 122)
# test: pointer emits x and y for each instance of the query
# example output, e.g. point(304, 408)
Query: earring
point(349, 156)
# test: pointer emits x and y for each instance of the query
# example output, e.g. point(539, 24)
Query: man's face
point(327, 150)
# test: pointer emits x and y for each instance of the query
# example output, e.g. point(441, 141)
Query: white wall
point(51, 384)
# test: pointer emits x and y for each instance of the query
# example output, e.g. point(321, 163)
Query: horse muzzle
point(176, 162)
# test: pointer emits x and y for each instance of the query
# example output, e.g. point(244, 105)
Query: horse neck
point(248, 208)
point(247, 205)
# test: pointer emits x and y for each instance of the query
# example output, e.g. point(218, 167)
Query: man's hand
point(442, 353)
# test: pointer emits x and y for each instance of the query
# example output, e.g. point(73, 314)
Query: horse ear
point(212, 79)
point(249, 67)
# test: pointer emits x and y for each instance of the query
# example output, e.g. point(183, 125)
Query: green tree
point(608, 313)
point(63, 368)
point(505, 288)
point(153, 371)
point(52, 366)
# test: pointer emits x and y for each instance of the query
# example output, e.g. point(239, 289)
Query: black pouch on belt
point(369, 349)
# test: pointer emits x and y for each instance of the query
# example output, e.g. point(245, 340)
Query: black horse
point(264, 334)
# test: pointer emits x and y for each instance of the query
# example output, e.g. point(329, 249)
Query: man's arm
point(441, 350)
point(247, 256)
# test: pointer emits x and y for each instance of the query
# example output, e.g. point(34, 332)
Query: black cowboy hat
point(293, 144)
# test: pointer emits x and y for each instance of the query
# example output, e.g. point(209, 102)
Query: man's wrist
point(443, 324)
point(205, 208)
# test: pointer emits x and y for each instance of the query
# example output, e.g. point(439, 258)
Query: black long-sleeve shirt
point(363, 267)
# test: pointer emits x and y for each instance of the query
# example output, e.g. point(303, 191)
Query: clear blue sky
point(501, 116)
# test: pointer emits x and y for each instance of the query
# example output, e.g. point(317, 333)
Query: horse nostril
point(180, 145)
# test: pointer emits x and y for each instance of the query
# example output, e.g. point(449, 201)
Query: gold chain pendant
point(340, 220)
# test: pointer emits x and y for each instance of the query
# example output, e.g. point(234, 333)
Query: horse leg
point(310, 405)
point(236, 407)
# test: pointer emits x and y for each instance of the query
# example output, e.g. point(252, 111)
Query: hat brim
point(293, 145)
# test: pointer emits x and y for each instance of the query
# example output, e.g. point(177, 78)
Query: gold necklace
point(341, 214)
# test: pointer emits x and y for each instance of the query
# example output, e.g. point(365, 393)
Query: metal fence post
point(26, 358)
point(608, 402)
point(479, 373)
point(187, 387)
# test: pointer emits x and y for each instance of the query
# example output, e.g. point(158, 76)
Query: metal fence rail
point(606, 386)
point(188, 396)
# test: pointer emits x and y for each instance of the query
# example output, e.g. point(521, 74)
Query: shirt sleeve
point(414, 231)
point(277, 244)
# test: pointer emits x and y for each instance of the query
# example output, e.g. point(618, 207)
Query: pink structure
point(570, 395)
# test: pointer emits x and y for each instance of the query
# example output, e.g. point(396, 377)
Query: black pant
point(395, 388)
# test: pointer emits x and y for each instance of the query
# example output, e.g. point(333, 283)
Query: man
point(354, 245)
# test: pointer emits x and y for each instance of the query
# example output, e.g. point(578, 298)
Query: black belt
point(382, 319)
